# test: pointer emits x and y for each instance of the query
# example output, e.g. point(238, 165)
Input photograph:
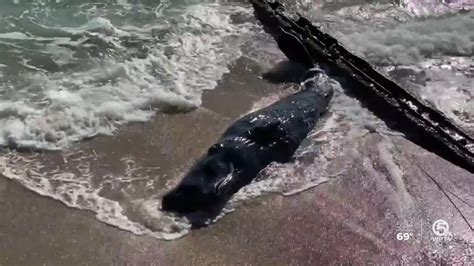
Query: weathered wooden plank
point(305, 43)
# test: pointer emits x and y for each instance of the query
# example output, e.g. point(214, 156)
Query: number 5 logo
point(440, 228)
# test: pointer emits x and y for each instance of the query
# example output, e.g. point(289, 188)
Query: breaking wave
point(89, 79)
point(412, 42)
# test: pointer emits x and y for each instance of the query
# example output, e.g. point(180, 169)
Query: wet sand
point(351, 219)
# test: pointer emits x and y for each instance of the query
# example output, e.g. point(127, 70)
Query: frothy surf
point(91, 77)
point(431, 56)
point(409, 43)
point(136, 71)
point(129, 198)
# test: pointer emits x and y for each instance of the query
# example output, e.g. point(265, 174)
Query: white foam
point(413, 41)
point(439, 48)
point(429, 7)
point(73, 185)
point(450, 87)
point(51, 110)
point(13, 35)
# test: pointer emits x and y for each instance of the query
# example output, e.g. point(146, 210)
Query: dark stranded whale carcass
point(271, 134)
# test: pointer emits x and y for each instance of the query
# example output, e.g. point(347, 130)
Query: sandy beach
point(352, 219)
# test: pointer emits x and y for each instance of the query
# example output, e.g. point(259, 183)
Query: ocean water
point(72, 70)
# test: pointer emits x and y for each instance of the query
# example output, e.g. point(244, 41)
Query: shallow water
point(71, 71)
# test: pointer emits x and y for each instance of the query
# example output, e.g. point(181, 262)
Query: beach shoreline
point(350, 219)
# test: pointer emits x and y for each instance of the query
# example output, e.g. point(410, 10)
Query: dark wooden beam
point(305, 43)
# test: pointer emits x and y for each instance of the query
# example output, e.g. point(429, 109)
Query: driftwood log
point(304, 43)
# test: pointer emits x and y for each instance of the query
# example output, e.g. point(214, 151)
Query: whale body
point(271, 134)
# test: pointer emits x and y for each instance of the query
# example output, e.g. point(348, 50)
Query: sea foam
point(51, 109)
point(408, 43)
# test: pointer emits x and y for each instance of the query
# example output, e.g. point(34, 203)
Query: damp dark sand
point(351, 219)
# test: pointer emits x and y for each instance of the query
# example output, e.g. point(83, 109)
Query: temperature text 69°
point(404, 236)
